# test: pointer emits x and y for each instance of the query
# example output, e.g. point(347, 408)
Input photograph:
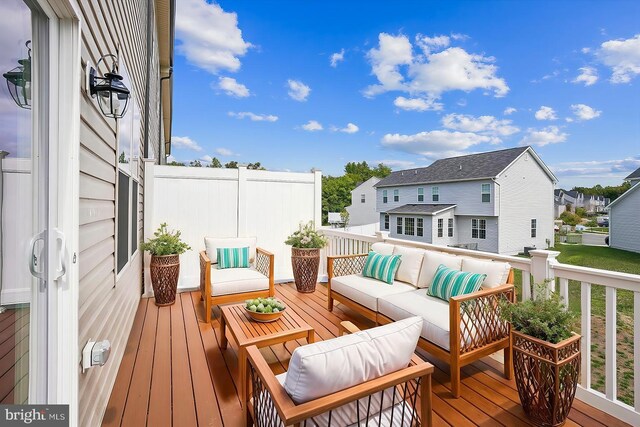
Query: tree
point(215, 163)
point(255, 166)
point(570, 218)
point(175, 163)
point(231, 165)
point(581, 212)
point(610, 191)
point(195, 164)
point(361, 171)
point(122, 158)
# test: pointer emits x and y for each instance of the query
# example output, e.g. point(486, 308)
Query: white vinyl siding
point(106, 311)
point(398, 227)
point(624, 222)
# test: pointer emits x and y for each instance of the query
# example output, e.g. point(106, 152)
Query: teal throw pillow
point(381, 267)
point(449, 282)
point(233, 257)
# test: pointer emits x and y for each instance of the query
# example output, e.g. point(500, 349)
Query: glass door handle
point(35, 269)
point(62, 251)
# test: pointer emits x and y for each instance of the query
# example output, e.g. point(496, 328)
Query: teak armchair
point(268, 404)
point(263, 264)
point(476, 329)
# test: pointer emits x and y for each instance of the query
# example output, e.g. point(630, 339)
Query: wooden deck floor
point(174, 374)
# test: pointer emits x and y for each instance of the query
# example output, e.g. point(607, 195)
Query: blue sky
point(410, 82)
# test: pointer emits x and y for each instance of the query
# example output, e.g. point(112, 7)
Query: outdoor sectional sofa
point(460, 331)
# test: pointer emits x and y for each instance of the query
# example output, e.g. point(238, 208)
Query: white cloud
point(429, 44)
point(312, 126)
point(544, 136)
point(509, 111)
point(585, 50)
point(337, 57)
point(546, 113)
point(434, 72)
point(435, 143)
point(623, 57)
point(598, 168)
point(349, 128)
point(224, 152)
point(459, 36)
point(588, 76)
point(209, 37)
point(185, 142)
point(254, 117)
point(396, 164)
point(298, 90)
point(484, 125)
point(232, 88)
point(206, 158)
point(417, 104)
point(584, 112)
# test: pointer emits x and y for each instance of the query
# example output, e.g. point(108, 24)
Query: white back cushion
point(211, 245)
point(432, 261)
point(325, 367)
point(382, 248)
point(497, 272)
point(410, 264)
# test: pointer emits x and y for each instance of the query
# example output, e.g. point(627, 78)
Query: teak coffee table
point(247, 332)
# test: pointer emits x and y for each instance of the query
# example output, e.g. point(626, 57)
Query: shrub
point(547, 319)
point(306, 237)
point(581, 212)
point(569, 218)
point(165, 242)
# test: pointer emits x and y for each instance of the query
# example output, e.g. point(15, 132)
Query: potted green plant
point(165, 249)
point(306, 243)
point(546, 355)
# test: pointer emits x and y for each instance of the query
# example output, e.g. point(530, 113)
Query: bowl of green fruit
point(264, 309)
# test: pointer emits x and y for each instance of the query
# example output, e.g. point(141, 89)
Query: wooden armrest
point(281, 399)
point(204, 257)
point(347, 327)
point(264, 252)
point(482, 293)
point(345, 256)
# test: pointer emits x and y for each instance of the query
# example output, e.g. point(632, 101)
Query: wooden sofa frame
point(476, 329)
point(281, 410)
point(263, 263)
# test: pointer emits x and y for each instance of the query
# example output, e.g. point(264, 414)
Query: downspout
point(147, 100)
point(161, 124)
point(3, 154)
point(161, 143)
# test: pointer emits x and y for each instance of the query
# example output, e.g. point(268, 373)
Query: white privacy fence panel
point(229, 203)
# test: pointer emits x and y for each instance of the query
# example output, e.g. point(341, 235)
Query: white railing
point(540, 267)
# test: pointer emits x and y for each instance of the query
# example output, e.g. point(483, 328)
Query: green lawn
point(606, 259)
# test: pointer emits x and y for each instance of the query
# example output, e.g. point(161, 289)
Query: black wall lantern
point(112, 94)
point(19, 81)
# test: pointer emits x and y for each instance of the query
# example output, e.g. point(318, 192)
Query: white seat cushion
point(410, 264)
point(497, 272)
point(325, 367)
point(433, 311)
point(365, 290)
point(382, 248)
point(236, 280)
point(211, 245)
point(432, 261)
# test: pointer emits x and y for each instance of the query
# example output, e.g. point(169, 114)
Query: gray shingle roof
point(473, 166)
point(420, 208)
point(634, 175)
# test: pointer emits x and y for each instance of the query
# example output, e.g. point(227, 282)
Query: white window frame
point(362, 198)
point(409, 226)
point(420, 227)
point(421, 194)
point(478, 227)
point(485, 193)
point(534, 228)
point(385, 220)
point(435, 194)
point(385, 197)
point(440, 227)
point(399, 228)
point(396, 195)
point(450, 227)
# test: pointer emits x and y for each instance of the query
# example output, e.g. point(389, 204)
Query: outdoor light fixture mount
point(111, 93)
point(19, 81)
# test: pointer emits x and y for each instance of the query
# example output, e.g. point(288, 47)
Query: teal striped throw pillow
point(448, 283)
point(381, 267)
point(233, 257)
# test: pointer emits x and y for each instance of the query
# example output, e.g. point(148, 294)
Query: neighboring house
point(82, 217)
point(573, 199)
point(624, 221)
point(499, 201)
point(633, 176)
point(363, 203)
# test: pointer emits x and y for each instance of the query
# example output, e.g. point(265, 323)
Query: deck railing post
point(541, 268)
point(149, 224)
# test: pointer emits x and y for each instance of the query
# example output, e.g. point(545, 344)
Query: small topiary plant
point(165, 242)
point(545, 318)
point(307, 237)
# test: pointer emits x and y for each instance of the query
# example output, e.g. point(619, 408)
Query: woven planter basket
point(546, 377)
point(165, 270)
point(305, 264)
